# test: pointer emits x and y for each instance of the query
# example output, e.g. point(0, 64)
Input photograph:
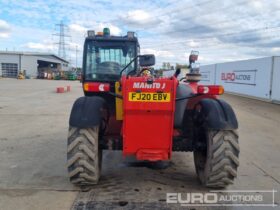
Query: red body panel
point(148, 126)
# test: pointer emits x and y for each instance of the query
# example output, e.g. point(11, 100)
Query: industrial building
point(32, 64)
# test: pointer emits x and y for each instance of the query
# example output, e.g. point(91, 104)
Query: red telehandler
point(146, 116)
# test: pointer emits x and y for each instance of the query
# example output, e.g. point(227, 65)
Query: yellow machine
point(21, 75)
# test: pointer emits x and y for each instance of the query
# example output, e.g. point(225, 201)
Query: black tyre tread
point(223, 162)
point(82, 156)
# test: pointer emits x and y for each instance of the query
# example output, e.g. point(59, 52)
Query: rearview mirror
point(177, 72)
point(147, 60)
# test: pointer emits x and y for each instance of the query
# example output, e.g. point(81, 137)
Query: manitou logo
point(145, 85)
point(245, 77)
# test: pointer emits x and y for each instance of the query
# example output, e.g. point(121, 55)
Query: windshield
point(105, 60)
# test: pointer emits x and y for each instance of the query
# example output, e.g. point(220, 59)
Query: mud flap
point(86, 112)
point(216, 114)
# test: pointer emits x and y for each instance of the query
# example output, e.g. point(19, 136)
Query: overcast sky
point(222, 30)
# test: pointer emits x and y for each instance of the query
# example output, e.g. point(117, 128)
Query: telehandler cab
point(173, 115)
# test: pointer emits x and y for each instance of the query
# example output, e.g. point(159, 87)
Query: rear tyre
point(84, 157)
point(216, 165)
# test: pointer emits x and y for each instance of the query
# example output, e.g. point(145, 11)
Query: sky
point(221, 30)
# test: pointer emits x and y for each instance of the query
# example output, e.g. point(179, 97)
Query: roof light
point(91, 33)
point(130, 34)
point(106, 31)
point(210, 89)
point(100, 33)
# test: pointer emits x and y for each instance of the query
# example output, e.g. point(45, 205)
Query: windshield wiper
point(128, 65)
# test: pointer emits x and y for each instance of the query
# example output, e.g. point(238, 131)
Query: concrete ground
point(33, 174)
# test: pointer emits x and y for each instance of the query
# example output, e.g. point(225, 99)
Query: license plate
point(149, 97)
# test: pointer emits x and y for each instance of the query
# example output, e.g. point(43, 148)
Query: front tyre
point(84, 157)
point(216, 164)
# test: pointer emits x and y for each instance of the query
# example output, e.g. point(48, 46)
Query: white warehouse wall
point(29, 63)
point(9, 58)
point(275, 93)
point(248, 77)
point(257, 78)
point(208, 74)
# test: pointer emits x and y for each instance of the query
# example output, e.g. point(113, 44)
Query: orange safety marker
point(60, 90)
